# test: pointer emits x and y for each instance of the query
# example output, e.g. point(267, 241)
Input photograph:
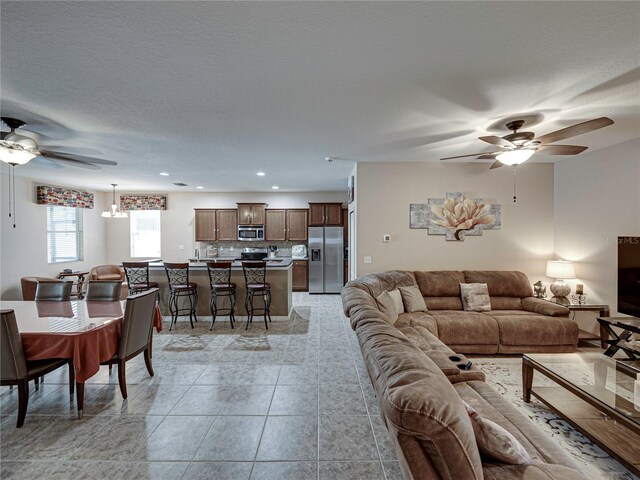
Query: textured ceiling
point(213, 92)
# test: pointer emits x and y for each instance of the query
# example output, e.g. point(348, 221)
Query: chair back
point(255, 272)
point(137, 274)
point(103, 291)
point(138, 322)
point(53, 291)
point(107, 272)
point(177, 273)
point(13, 365)
point(29, 285)
point(219, 273)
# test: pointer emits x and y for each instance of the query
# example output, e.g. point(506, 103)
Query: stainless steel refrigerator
point(326, 259)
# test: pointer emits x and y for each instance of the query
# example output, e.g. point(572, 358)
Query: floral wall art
point(455, 216)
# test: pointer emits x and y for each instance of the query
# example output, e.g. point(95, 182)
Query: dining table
point(87, 332)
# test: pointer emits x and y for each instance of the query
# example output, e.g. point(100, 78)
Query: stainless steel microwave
point(250, 233)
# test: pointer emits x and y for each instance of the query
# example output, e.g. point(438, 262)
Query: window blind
point(64, 234)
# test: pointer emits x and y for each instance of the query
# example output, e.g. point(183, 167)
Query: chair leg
point(72, 379)
point(80, 398)
point(23, 401)
point(195, 304)
point(36, 381)
point(232, 317)
point(147, 360)
point(191, 314)
point(110, 369)
point(174, 317)
point(122, 378)
point(213, 307)
point(264, 298)
point(268, 304)
point(248, 305)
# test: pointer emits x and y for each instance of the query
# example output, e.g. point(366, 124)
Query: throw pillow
point(475, 297)
point(387, 306)
point(397, 301)
point(495, 441)
point(413, 299)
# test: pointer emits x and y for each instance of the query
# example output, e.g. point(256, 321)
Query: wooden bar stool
point(255, 274)
point(180, 286)
point(221, 286)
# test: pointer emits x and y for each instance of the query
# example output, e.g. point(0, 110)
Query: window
point(64, 234)
point(145, 233)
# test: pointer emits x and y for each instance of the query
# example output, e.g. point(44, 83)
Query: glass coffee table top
point(613, 383)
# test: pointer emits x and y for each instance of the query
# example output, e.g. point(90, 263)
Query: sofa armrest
point(543, 307)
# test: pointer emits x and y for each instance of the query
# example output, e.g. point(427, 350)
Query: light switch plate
point(180, 247)
point(367, 259)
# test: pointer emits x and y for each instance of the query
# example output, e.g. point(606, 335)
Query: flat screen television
point(629, 275)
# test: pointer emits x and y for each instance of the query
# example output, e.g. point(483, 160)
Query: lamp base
point(560, 288)
point(561, 300)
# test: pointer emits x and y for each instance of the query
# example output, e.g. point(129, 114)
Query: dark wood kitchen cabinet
point(329, 214)
point(251, 213)
point(227, 224)
point(275, 225)
point(205, 220)
point(297, 225)
point(300, 276)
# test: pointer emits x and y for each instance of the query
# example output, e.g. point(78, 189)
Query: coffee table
point(629, 326)
point(598, 395)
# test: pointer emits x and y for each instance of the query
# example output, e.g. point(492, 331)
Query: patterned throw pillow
point(496, 442)
point(413, 299)
point(475, 297)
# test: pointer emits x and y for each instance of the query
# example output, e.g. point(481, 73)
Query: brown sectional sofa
point(420, 390)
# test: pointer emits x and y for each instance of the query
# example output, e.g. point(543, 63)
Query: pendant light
point(115, 211)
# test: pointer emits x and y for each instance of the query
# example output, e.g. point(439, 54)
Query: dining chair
point(29, 285)
point(103, 291)
point(53, 291)
point(107, 272)
point(255, 275)
point(137, 274)
point(16, 370)
point(136, 334)
point(180, 286)
point(221, 286)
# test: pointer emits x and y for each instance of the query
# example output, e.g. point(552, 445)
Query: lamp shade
point(515, 157)
point(560, 269)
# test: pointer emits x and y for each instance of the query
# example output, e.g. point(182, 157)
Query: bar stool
point(137, 274)
point(255, 274)
point(180, 286)
point(221, 286)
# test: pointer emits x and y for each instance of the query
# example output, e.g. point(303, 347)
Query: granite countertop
point(280, 263)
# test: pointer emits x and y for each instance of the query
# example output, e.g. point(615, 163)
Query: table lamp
point(560, 270)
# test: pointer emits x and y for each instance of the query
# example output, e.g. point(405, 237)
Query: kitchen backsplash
point(232, 249)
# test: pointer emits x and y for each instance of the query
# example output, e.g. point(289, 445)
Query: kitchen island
point(278, 275)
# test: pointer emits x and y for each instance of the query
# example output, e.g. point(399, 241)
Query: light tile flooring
point(291, 403)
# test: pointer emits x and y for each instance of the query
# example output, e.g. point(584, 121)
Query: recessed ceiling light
point(261, 174)
point(199, 187)
point(275, 187)
point(164, 174)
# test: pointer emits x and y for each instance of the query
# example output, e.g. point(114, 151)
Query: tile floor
point(292, 403)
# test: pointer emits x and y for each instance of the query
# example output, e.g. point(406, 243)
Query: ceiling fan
point(16, 149)
point(517, 147)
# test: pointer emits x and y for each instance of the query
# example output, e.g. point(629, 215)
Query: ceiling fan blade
point(68, 150)
point(496, 164)
point(561, 149)
point(574, 130)
point(470, 155)
point(495, 140)
point(77, 158)
point(488, 156)
point(71, 163)
point(45, 162)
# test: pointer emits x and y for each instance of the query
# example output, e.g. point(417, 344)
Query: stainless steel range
point(253, 254)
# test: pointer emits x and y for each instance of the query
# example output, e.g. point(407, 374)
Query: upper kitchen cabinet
point(205, 220)
point(275, 226)
point(251, 213)
point(297, 224)
point(227, 224)
point(325, 214)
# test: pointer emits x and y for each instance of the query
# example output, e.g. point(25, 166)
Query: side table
point(80, 282)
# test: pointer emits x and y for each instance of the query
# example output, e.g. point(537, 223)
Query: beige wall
point(177, 223)
point(385, 190)
point(24, 249)
point(597, 199)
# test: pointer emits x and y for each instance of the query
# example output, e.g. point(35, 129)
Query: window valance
point(63, 197)
point(143, 202)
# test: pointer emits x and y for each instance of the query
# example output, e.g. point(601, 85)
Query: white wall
point(597, 199)
point(24, 249)
point(385, 190)
point(177, 223)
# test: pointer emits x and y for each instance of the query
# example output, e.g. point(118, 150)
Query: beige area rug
point(505, 375)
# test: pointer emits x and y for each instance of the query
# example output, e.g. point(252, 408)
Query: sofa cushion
point(422, 322)
point(533, 329)
point(475, 297)
point(443, 303)
point(445, 283)
point(506, 303)
point(387, 306)
point(501, 284)
point(412, 299)
point(536, 471)
point(460, 328)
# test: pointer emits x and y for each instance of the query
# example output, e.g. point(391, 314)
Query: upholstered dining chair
point(137, 274)
point(16, 370)
point(107, 272)
point(103, 291)
point(29, 285)
point(136, 334)
point(53, 291)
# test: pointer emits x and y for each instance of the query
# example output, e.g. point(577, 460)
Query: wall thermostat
point(386, 238)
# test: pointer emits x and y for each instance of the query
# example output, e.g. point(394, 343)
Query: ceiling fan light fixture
point(15, 156)
point(515, 157)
